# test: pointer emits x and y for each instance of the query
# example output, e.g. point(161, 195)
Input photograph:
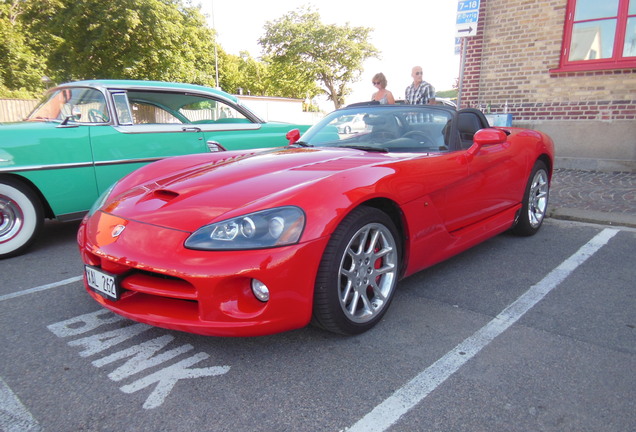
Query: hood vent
point(163, 195)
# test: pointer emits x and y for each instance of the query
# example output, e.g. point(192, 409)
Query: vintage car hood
point(209, 192)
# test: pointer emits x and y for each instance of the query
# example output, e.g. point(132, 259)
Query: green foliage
point(243, 72)
point(169, 40)
point(291, 80)
point(262, 78)
point(132, 39)
point(21, 68)
point(302, 50)
point(83, 39)
point(450, 94)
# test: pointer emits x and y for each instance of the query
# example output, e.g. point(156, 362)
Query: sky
point(406, 32)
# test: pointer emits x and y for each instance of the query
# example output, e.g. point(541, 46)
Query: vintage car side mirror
point(293, 136)
point(74, 113)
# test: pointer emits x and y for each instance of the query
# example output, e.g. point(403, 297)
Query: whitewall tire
point(21, 217)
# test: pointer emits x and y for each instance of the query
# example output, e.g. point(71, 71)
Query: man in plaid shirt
point(420, 91)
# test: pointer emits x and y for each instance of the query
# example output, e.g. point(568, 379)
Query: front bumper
point(203, 292)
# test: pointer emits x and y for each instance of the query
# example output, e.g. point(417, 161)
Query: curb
point(592, 216)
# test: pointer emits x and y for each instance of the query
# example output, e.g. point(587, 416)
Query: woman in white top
point(382, 95)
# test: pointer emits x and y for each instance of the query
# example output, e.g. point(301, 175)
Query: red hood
point(196, 196)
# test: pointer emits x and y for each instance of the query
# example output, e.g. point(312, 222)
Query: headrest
point(374, 120)
point(468, 123)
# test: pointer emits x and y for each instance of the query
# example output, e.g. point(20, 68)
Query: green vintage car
point(86, 135)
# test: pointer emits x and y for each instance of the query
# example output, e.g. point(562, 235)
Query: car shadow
point(56, 234)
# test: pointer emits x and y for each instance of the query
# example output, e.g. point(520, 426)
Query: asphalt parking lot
point(516, 334)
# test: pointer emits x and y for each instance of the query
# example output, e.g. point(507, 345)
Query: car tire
point(21, 217)
point(358, 273)
point(347, 130)
point(535, 201)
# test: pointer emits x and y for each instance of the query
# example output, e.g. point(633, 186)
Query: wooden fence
point(12, 110)
point(282, 109)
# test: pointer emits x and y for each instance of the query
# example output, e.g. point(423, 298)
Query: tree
point(245, 73)
point(255, 76)
point(291, 80)
point(262, 78)
point(132, 39)
point(302, 50)
point(21, 68)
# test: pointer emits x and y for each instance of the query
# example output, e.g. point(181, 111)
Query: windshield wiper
point(366, 148)
point(300, 144)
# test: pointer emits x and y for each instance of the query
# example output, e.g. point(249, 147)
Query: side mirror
point(70, 113)
point(490, 136)
point(484, 137)
point(293, 136)
point(76, 112)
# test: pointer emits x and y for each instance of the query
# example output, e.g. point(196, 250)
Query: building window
point(599, 35)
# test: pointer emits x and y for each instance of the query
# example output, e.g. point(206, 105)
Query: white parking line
point(14, 417)
point(40, 288)
point(405, 398)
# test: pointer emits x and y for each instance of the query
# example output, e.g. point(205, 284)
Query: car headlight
point(264, 229)
point(101, 200)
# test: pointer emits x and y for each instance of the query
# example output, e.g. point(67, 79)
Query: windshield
point(394, 128)
point(80, 104)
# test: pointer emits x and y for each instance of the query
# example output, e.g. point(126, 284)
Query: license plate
point(103, 283)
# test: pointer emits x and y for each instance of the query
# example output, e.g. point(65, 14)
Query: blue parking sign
point(467, 18)
point(467, 5)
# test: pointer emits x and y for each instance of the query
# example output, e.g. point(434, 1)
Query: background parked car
point(86, 135)
point(350, 124)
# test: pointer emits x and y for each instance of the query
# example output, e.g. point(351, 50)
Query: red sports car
point(255, 242)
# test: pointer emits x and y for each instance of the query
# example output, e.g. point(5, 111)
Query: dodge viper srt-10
point(254, 242)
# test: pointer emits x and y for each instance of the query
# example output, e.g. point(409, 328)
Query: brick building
point(566, 69)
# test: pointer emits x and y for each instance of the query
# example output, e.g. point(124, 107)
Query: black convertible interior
point(469, 121)
point(403, 128)
point(421, 134)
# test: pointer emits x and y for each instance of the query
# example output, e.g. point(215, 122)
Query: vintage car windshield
point(79, 104)
point(392, 128)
